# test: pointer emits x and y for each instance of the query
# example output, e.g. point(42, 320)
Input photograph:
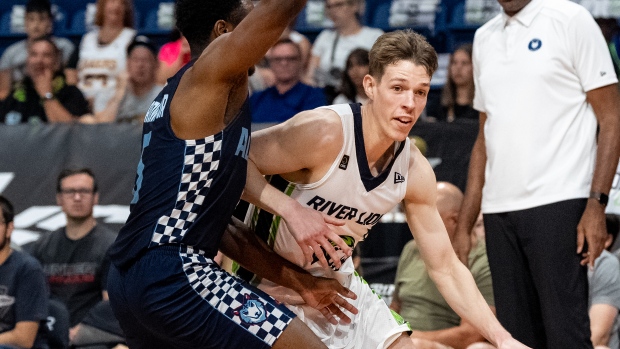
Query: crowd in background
point(112, 75)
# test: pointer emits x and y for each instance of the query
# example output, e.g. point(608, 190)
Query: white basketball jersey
point(100, 65)
point(348, 191)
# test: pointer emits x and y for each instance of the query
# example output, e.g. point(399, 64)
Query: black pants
point(541, 291)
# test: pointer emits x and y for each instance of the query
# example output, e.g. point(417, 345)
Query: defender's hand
point(326, 295)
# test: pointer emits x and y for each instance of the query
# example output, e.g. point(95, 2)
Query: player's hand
point(312, 232)
point(461, 243)
point(591, 229)
point(327, 296)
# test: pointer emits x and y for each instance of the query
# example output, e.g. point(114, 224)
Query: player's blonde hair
point(401, 45)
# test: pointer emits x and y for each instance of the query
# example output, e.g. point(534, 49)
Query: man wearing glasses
point(289, 95)
point(74, 256)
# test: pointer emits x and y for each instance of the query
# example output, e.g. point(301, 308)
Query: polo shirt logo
point(534, 45)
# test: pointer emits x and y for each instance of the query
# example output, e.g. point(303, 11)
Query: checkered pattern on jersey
point(202, 159)
point(228, 295)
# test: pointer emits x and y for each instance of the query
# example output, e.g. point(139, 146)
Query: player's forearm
point(241, 245)
point(460, 291)
point(290, 8)
point(258, 192)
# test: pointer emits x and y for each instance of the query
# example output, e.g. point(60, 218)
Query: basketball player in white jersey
point(355, 163)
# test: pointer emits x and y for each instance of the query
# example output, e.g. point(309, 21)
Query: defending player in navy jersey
point(164, 287)
point(356, 163)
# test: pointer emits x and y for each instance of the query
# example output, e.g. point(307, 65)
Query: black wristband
point(602, 198)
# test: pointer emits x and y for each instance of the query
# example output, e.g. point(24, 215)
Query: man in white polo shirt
point(543, 79)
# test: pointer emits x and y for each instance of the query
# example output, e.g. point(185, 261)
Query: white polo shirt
point(532, 72)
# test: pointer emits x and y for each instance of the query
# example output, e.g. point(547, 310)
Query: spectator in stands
point(457, 95)
point(102, 55)
point(136, 89)
point(304, 45)
point(172, 56)
point(352, 86)
point(23, 293)
point(289, 95)
point(38, 23)
point(544, 84)
point(43, 94)
point(416, 297)
point(74, 256)
point(332, 47)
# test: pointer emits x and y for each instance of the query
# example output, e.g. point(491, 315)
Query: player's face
point(399, 98)
point(77, 196)
point(37, 24)
point(285, 62)
point(461, 69)
point(511, 7)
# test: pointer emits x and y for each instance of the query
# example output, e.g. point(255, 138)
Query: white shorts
point(374, 327)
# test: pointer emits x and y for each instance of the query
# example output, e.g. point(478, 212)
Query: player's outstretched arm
point(214, 89)
point(325, 295)
point(452, 278)
point(301, 150)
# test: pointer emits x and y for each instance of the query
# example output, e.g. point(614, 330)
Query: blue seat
point(5, 23)
point(381, 17)
point(61, 18)
point(78, 23)
point(152, 23)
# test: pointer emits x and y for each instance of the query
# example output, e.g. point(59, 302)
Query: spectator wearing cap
point(289, 95)
point(43, 94)
point(137, 88)
point(37, 23)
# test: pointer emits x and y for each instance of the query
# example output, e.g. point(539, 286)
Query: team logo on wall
point(534, 45)
point(252, 311)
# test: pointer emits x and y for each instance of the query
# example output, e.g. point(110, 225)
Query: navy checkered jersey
point(186, 190)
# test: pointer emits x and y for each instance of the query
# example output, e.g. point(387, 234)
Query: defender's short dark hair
point(8, 213)
point(40, 6)
point(196, 19)
point(70, 172)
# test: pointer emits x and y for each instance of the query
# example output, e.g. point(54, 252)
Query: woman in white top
point(352, 87)
point(332, 47)
point(102, 54)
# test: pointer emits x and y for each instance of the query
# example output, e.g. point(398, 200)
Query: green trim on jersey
point(265, 225)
